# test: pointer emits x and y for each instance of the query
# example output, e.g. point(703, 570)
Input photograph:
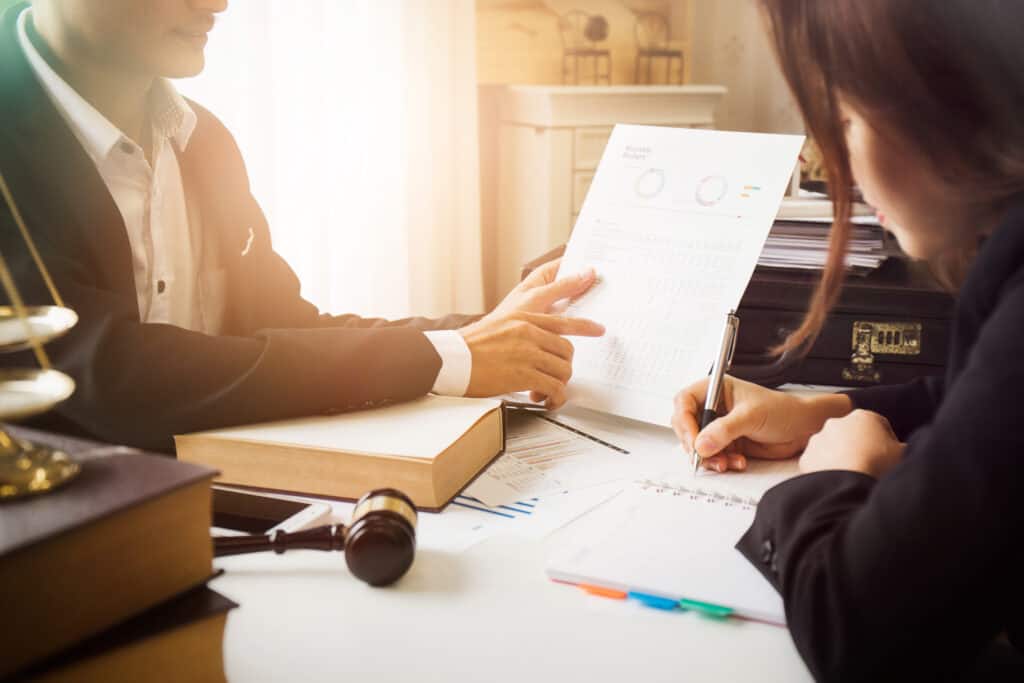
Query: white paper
point(746, 487)
point(466, 521)
point(542, 458)
point(673, 224)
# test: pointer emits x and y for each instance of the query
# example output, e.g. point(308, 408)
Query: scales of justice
point(27, 468)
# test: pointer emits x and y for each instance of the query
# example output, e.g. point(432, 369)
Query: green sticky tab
point(706, 608)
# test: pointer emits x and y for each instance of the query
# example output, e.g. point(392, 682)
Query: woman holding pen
point(900, 552)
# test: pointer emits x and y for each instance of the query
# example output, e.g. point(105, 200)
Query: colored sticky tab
point(655, 601)
point(706, 608)
point(603, 592)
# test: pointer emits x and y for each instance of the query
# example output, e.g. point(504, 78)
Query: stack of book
point(800, 235)
point(105, 578)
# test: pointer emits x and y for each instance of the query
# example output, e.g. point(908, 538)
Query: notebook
point(670, 545)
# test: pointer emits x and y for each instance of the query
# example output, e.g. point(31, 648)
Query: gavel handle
point(329, 537)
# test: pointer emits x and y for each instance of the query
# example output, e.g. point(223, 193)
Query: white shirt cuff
point(456, 362)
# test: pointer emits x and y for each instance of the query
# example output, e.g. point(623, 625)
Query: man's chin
point(183, 66)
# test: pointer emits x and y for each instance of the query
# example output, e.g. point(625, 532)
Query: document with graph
point(543, 456)
point(673, 224)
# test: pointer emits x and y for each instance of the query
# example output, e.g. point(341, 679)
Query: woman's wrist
point(823, 407)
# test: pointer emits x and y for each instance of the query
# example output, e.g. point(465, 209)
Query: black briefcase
point(889, 326)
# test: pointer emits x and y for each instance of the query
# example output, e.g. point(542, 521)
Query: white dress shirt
point(162, 226)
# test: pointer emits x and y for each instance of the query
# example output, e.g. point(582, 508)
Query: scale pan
point(27, 392)
point(47, 322)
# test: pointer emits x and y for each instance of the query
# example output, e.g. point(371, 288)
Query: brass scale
point(27, 468)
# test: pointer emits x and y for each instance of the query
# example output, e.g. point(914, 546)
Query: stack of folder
point(105, 578)
point(803, 245)
point(799, 238)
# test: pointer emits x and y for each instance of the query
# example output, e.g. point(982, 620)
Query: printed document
point(673, 224)
point(543, 457)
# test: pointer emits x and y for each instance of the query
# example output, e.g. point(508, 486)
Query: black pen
point(721, 366)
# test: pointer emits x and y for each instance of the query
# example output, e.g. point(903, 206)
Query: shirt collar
point(170, 114)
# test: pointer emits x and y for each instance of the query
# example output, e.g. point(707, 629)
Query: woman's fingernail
point(720, 467)
point(704, 444)
point(588, 274)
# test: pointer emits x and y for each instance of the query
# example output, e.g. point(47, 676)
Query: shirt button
point(160, 286)
point(127, 148)
point(768, 551)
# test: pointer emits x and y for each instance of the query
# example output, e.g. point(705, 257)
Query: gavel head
point(381, 541)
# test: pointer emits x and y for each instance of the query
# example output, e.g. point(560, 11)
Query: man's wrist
point(456, 362)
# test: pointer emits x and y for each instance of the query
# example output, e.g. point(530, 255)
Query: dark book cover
point(188, 608)
point(113, 478)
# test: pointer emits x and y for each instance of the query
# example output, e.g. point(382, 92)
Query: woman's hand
point(758, 422)
point(862, 441)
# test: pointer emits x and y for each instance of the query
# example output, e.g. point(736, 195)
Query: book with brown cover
point(429, 449)
point(132, 530)
point(178, 640)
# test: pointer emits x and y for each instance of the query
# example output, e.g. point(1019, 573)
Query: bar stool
point(653, 42)
point(581, 32)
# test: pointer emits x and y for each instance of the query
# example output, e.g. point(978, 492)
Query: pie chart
point(650, 183)
point(711, 190)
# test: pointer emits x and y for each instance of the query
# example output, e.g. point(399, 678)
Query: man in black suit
point(140, 204)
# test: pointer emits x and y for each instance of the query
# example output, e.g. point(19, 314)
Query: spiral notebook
point(670, 545)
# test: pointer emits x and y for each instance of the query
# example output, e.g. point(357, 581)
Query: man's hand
point(521, 346)
point(862, 441)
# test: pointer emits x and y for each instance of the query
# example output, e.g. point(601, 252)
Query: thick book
point(132, 530)
point(429, 449)
point(178, 640)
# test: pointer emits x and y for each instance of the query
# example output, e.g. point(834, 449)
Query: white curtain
point(358, 123)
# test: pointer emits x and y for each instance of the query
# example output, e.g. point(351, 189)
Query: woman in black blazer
point(900, 552)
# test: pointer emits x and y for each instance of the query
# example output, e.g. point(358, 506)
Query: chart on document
point(543, 457)
point(673, 224)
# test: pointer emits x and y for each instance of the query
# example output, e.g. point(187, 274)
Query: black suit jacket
point(142, 383)
point(918, 574)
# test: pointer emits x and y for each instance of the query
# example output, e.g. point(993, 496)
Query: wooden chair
point(577, 47)
point(653, 43)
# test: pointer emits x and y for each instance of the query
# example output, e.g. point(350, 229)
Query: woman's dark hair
point(944, 78)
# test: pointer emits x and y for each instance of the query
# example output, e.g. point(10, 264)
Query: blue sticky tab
point(654, 601)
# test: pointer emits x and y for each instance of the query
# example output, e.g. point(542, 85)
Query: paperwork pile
point(803, 245)
point(799, 237)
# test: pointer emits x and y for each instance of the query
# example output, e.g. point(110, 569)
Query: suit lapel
point(59, 191)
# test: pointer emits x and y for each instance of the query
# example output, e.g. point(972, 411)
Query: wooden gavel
point(379, 545)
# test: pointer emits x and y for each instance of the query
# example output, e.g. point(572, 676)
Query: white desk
point(486, 614)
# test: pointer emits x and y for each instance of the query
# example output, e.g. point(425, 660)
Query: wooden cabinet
point(550, 140)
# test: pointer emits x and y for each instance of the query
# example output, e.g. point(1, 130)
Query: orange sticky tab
point(603, 592)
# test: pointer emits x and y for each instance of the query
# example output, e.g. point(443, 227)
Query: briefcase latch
point(870, 338)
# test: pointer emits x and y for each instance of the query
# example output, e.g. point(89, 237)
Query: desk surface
point(487, 613)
